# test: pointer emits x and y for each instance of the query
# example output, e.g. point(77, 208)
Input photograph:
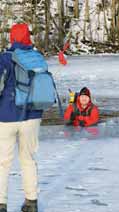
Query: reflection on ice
point(106, 129)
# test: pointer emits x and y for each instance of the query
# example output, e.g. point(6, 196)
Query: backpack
point(35, 86)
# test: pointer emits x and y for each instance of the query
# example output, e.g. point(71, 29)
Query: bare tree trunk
point(105, 21)
point(113, 24)
point(60, 4)
point(87, 21)
point(34, 19)
point(4, 40)
point(67, 8)
point(113, 6)
point(36, 25)
point(118, 20)
point(98, 24)
point(76, 8)
point(47, 23)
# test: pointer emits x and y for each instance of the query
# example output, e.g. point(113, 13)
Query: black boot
point(30, 206)
point(3, 207)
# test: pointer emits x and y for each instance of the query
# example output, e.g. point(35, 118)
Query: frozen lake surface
point(78, 168)
point(99, 73)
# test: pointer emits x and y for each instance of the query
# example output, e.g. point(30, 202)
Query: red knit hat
point(20, 33)
point(85, 91)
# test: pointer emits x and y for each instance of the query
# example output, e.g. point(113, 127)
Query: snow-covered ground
point(78, 168)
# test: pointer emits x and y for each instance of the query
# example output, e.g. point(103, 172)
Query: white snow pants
point(28, 134)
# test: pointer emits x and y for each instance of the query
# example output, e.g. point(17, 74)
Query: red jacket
point(90, 115)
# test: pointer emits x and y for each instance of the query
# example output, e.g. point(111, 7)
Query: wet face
point(84, 100)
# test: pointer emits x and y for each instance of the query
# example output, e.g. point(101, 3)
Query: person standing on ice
point(82, 112)
point(27, 130)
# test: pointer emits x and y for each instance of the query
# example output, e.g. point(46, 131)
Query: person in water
point(82, 112)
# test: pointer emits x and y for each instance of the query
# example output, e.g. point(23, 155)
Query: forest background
point(91, 25)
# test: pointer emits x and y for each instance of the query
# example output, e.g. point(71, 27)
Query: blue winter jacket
point(8, 110)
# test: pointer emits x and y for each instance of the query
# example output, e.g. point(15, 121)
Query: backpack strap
point(31, 76)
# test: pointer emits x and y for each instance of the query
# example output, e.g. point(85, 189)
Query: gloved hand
point(82, 123)
point(71, 97)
